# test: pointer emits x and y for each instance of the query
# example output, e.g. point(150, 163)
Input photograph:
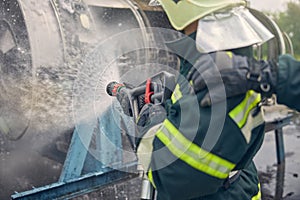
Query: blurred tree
point(289, 21)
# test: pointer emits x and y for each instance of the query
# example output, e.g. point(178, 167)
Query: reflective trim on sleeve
point(176, 94)
point(246, 116)
point(191, 153)
point(150, 177)
point(240, 113)
point(258, 195)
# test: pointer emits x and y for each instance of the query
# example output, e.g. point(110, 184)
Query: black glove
point(237, 74)
point(150, 115)
point(123, 98)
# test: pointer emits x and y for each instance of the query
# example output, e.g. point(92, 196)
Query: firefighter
point(196, 152)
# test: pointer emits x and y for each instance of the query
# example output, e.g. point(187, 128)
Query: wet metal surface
point(129, 190)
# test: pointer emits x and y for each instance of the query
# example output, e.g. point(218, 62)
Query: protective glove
point(237, 74)
point(123, 98)
point(150, 115)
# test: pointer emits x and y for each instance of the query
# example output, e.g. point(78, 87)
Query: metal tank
point(39, 38)
point(43, 47)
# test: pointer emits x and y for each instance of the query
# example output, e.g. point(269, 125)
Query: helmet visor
point(229, 30)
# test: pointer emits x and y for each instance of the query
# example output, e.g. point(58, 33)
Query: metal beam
point(79, 186)
point(277, 126)
point(279, 123)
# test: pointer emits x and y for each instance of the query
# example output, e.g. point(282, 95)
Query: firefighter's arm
point(288, 82)
point(236, 74)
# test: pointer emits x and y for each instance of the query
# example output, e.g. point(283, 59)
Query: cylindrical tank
point(43, 42)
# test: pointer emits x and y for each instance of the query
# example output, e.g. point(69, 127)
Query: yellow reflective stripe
point(193, 147)
point(150, 177)
point(190, 160)
point(240, 113)
point(230, 54)
point(258, 195)
point(192, 154)
point(176, 94)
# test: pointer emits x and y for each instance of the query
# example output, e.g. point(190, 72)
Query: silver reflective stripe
point(145, 148)
point(232, 173)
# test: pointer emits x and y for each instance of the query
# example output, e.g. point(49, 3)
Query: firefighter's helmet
point(183, 12)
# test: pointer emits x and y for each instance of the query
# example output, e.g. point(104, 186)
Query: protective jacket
point(196, 149)
point(288, 82)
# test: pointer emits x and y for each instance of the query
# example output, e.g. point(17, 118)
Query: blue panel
point(77, 152)
point(108, 147)
point(109, 140)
